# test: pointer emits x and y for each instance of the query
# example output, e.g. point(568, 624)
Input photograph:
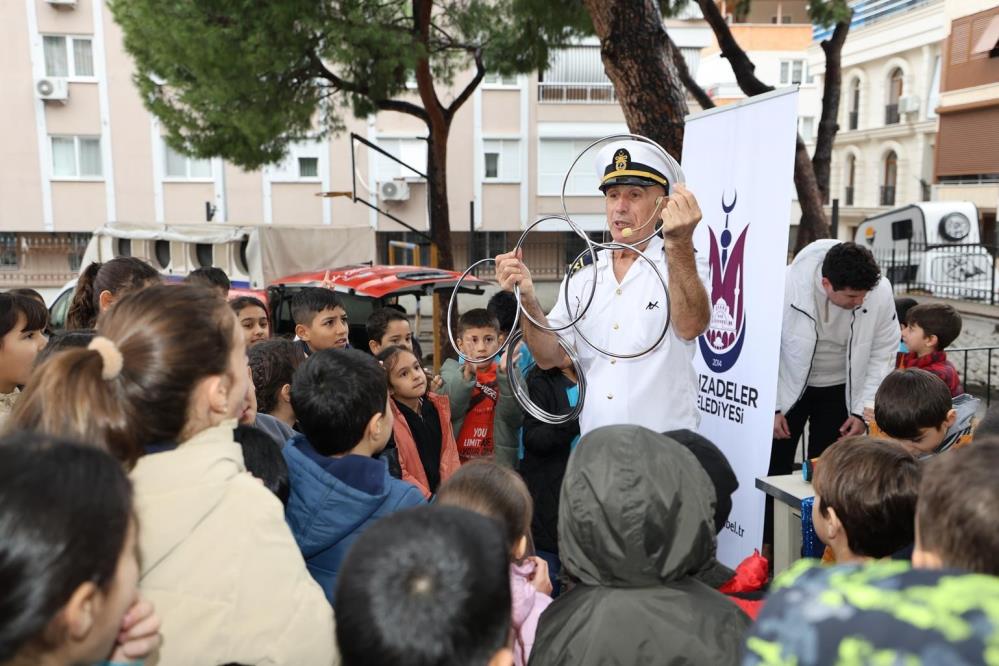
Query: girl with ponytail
point(99, 285)
point(160, 387)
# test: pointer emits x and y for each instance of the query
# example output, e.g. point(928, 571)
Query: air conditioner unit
point(393, 190)
point(50, 89)
point(59, 4)
point(908, 104)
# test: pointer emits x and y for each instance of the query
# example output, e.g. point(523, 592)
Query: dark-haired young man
point(320, 320)
point(338, 488)
point(838, 341)
point(428, 586)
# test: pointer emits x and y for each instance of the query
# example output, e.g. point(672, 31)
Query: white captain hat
point(631, 162)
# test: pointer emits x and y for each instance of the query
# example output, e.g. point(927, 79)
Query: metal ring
point(662, 336)
point(450, 309)
point(593, 291)
point(523, 396)
point(672, 164)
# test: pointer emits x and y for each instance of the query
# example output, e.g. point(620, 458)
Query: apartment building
point(966, 165)
point(884, 151)
point(80, 149)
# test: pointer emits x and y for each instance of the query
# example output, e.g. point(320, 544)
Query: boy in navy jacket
point(337, 488)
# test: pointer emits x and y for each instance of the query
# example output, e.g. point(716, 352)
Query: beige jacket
point(220, 563)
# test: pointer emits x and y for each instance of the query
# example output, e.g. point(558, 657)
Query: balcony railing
point(887, 195)
point(576, 93)
point(853, 120)
point(891, 114)
point(848, 199)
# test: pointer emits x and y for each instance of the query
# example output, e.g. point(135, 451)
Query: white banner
point(739, 162)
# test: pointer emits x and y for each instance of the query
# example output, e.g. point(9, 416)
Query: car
point(364, 288)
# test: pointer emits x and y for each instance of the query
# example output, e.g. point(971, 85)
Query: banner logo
point(722, 342)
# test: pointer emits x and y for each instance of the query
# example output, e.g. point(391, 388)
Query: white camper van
point(934, 247)
point(252, 256)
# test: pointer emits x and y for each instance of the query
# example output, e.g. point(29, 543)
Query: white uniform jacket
point(871, 348)
point(657, 390)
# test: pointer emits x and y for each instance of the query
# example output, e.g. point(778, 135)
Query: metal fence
point(975, 366)
point(961, 271)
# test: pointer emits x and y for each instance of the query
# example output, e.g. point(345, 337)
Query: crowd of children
point(179, 486)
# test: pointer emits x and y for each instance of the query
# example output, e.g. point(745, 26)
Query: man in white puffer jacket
point(838, 341)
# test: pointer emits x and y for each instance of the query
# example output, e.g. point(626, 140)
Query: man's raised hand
point(680, 215)
point(511, 270)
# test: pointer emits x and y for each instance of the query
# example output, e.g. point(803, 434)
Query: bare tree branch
point(400, 106)
point(480, 72)
point(688, 81)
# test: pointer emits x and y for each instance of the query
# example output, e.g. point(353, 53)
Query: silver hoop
point(523, 396)
point(450, 309)
point(672, 165)
point(624, 246)
point(516, 288)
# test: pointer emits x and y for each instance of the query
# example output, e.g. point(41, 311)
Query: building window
point(890, 179)
point(68, 56)
point(575, 75)
point(895, 87)
point(76, 157)
point(783, 19)
point(502, 160)
point(554, 158)
point(806, 126)
point(182, 167)
point(78, 243)
point(851, 175)
point(412, 151)
point(854, 119)
point(308, 167)
point(795, 72)
point(8, 250)
point(494, 79)
point(301, 163)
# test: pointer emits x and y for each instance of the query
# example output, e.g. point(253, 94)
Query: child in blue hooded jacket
point(338, 488)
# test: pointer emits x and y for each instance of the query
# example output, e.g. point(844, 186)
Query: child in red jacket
point(929, 329)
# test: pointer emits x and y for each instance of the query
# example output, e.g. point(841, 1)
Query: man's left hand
point(680, 215)
point(852, 426)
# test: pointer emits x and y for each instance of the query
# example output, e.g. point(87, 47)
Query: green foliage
point(242, 79)
point(828, 13)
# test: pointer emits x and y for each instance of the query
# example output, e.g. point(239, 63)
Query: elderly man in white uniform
point(628, 313)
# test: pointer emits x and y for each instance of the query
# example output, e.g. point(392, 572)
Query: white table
point(787, 490)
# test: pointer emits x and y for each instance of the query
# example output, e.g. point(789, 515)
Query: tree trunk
point(637, 60)
point(688, 80)
point(831, 87)
point(440, 216)
point(813, 224)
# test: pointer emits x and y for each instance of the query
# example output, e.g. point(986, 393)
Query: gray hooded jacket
point(635, 527)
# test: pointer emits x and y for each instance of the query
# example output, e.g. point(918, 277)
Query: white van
point(252, 256)
point(933, 247)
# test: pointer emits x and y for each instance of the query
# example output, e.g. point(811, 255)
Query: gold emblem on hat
point(621, 159)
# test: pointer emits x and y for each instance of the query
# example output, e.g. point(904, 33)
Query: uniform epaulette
point(582, 262)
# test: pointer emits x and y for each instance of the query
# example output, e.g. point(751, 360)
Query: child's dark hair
point(872, 485)
point(503, 306)
point(909, 400)
point(957, 505)
point(273, 364)
point(389, 357)
point(424, 587)
point(494, 491)
point(118, 276)
point(65, 340)
point(310, 301)
point(334, 394)
point(26, 291)
point(939, 319)
point(851, 266)
point(263, 459)
point(477, 318)
point(15, 306)
point(209, 276)
point(170, 337)
point(989, 425)
point(237, 304)
point(65, 511)
point(902, 306)
point(378, 323)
